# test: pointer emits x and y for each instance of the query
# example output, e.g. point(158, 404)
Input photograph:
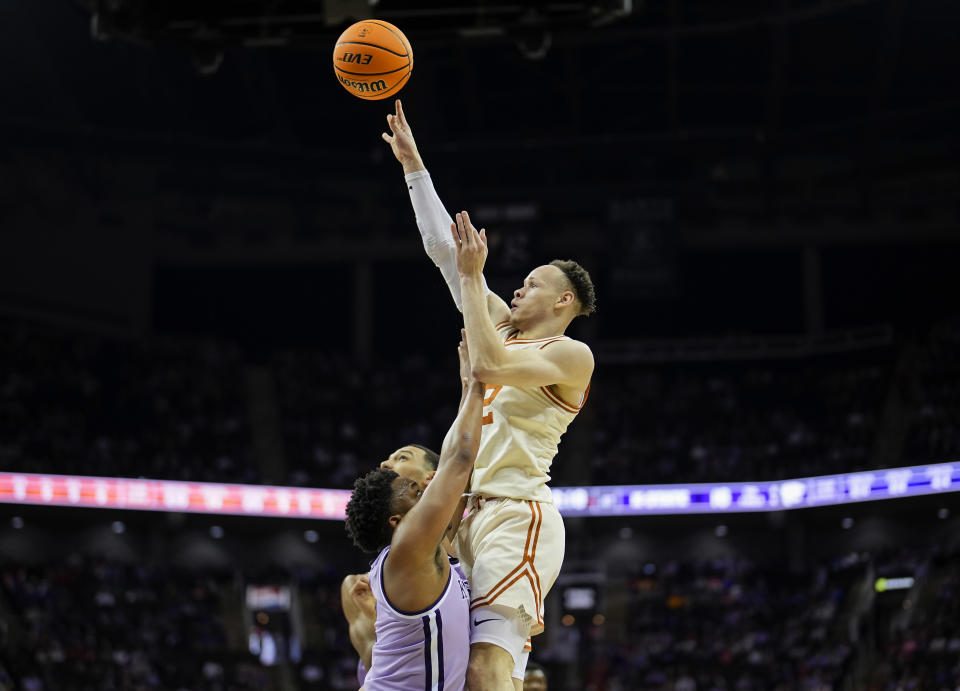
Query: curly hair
point(581, 283)
point(369, 510)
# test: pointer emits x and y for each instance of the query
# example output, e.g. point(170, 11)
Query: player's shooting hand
point(470, 245)
point(401, 139)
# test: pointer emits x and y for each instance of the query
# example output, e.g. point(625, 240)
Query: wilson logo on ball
point(363, 87)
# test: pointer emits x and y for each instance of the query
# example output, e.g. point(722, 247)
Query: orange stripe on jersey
point(585, 394)
point(553, 340)
point(556, 400)
point(537, 588)
point(502, 324)
point(525, 569)
point(512, 339)
point(530, 531)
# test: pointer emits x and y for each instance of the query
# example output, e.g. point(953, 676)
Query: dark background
point(751, 168)
point(210, 270)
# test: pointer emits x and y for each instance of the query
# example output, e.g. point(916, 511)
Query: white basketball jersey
point(521, 431)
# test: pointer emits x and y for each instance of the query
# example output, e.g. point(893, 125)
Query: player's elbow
point(482, 372)
point(488, 371)
point(499, 376)
point(465, 454)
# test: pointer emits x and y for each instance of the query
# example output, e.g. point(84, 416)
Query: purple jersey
point(425, 650)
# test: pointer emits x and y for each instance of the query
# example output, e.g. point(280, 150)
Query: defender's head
point(379, 501)
point(561, 289)
point(415, 462)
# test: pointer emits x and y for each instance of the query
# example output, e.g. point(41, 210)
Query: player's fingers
point(462, 229)
point(403, 118)
point(483, 236)
point(456, 235)
point(471, 231)
point(392, 122)
point(468, 224)
point(386, 137)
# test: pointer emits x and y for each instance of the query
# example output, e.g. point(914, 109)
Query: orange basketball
point(372, 59)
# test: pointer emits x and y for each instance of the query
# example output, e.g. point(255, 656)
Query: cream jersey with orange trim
point(521, 432)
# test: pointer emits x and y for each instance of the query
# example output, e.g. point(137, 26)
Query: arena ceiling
point(803, 110)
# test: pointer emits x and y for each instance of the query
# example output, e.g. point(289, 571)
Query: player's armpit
point(568, 363)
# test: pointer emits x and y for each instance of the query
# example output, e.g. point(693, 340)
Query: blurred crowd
point(96, 624)
point(76, 403)
point(924, 651)
point(933, 390)
point(92, 623)
point(730, 624)
point(686, 624)
point(743, 421)
point(72, 402)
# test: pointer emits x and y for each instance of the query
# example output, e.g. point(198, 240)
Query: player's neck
point(545, 329)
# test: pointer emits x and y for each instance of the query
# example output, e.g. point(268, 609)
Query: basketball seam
point(373, 45)
point(403, 42)
point(371, 74)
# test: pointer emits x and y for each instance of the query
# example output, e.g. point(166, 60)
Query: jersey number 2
point(491, 393)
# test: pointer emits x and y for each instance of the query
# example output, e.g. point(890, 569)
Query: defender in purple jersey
point(359, 606)
point(422, 597)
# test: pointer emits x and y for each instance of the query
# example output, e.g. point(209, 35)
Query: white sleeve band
point(434, 223)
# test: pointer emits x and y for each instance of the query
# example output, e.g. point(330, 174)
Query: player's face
point(539, 294)
point(535, 680)
point(409, 462)
point(406, 494)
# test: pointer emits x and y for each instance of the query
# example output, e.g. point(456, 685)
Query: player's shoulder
point(571, 352)
point(570, 346)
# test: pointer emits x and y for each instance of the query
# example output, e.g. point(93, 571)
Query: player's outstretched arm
point(432, 217)
point(568, 363)
point(466, 384)
point(359, 609)
point(421, 530)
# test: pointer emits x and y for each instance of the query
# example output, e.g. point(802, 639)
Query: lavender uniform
point(426, 650)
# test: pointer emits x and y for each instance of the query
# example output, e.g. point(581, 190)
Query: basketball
point(372, 59)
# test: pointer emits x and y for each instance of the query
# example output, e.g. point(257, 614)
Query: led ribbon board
point(615, 500)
